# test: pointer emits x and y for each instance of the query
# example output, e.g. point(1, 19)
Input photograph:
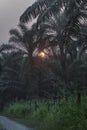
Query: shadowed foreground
point(1, 127)
point(11, 125)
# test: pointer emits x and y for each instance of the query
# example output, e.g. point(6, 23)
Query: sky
point(10, 12)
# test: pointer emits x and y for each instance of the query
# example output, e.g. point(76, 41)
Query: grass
point(50, 115)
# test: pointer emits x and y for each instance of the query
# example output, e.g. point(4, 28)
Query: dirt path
point(12, 125)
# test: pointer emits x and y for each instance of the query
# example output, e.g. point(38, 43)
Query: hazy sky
point(10, 11)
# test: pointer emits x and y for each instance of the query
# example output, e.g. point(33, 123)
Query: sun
point(42, 54)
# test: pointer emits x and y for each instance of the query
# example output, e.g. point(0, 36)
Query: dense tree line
point(60, 33)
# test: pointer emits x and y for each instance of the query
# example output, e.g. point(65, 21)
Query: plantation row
point(49, 58)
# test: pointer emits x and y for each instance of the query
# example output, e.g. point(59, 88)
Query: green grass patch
point(49, 114)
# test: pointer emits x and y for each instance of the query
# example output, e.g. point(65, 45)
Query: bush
point(49, 115)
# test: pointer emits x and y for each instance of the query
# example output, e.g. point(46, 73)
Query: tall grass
point(50, 114)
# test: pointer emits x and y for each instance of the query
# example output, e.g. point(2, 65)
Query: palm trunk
point(78, 100)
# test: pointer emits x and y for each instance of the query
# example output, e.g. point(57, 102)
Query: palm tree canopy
point(33, 11)
point(43, 8)
point(24, 38)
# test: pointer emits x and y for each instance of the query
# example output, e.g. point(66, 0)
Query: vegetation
point(50, 114)
point(47, 61)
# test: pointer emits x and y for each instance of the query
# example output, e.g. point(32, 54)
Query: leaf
point(33, 11)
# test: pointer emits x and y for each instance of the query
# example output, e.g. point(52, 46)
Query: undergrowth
point(50, 114)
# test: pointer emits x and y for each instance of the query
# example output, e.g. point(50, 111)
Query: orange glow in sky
point(42, 54)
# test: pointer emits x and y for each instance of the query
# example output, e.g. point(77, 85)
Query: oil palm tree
point(61, 18)
point(63, 23)
point(69, 34)
point(17, 35)
point(26, 39)
point(10, 81)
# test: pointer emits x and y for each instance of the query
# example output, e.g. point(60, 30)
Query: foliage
point(49, 115)
point(61, 32)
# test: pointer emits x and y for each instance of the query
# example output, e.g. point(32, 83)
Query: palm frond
point(62, 7)
point(18, 56)
point(17, 53)
point(21, 45)
point(14, 40)
point(6, 47)
point(33, 11)
point(23, 28)
point(16, 33)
